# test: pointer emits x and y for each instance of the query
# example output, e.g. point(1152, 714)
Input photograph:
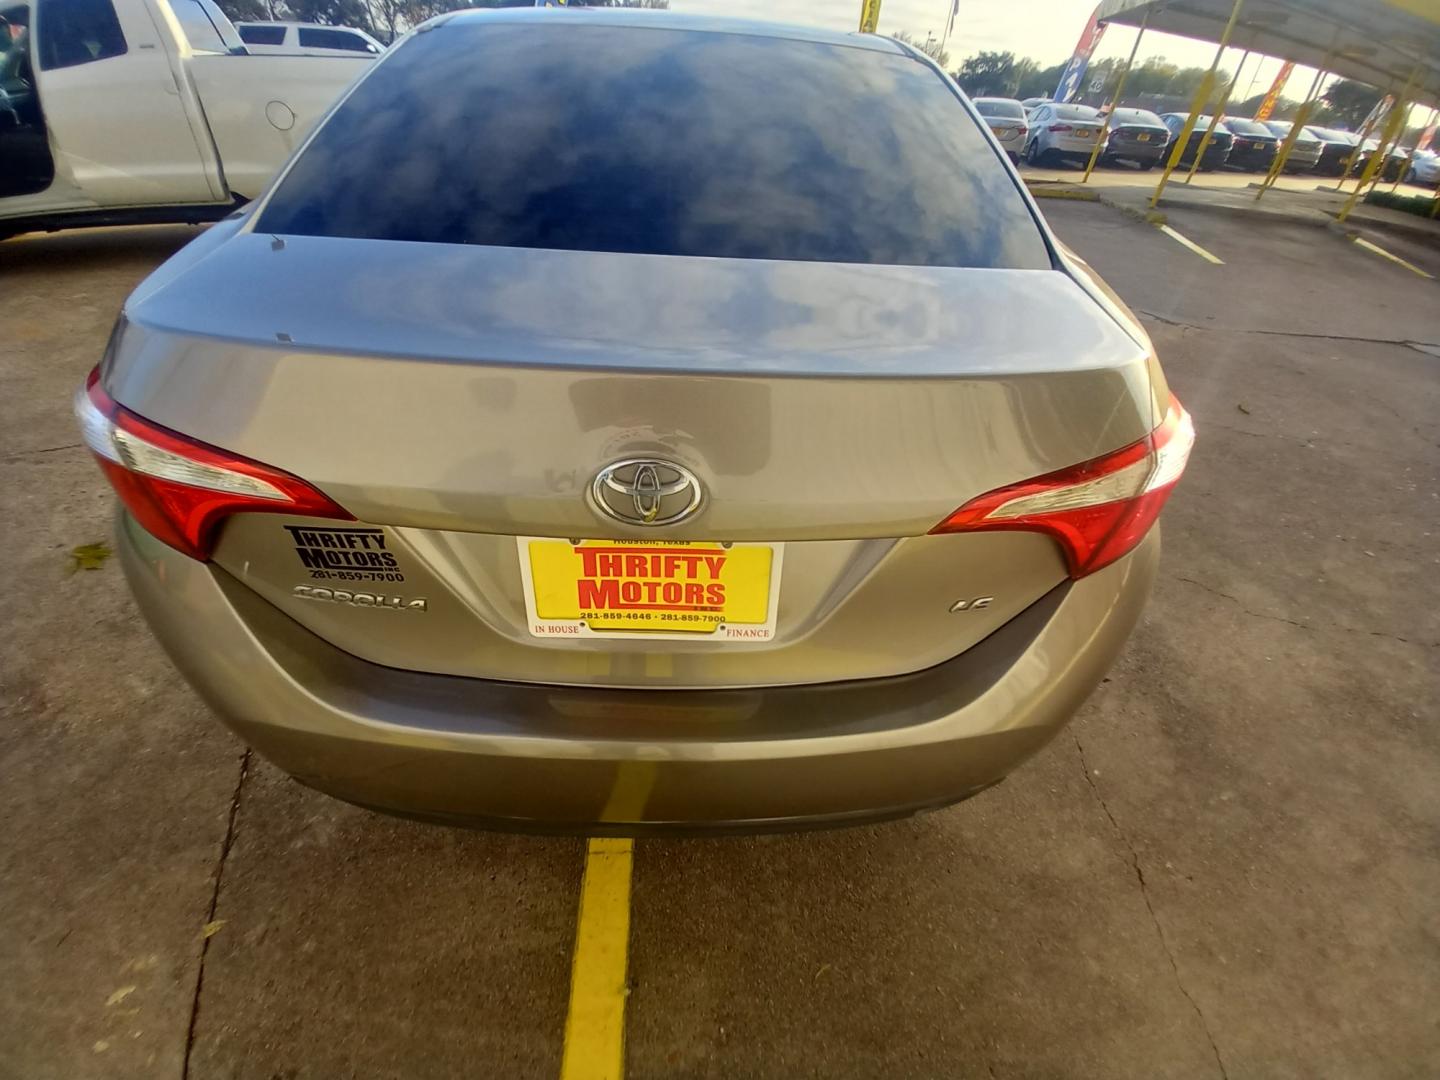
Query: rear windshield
point(1241, 126)
point(1136, 116)
point(663, 142)
point(1008, 110)
point(1076, 112)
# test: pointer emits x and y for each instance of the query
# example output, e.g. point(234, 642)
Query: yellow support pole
point(1399, 179)
point(1202, 95)
point(1385, 147)
point(1395, 120)
point(869, 16)
point(1115, 101)
point(1360, 143)
point(1215, 119)
point(1302, 117)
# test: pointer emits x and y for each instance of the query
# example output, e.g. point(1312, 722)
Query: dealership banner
point(1074, 72)
point(869, 16)
point(1268, 105)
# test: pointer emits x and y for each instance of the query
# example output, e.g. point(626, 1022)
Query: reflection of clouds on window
point(660, 142)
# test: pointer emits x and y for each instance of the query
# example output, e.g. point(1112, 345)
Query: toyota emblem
point(646, 491)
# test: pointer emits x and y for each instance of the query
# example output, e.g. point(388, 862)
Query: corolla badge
point(646, 491)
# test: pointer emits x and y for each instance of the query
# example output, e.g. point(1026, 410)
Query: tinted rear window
point(320, 38)
point(664, 142)
point(1136, 116)
point(1076, 112)
point(1246, 127)
point(262, 35)
point(1009, 110)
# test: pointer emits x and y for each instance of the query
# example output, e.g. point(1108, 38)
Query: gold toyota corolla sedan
point(620, 422)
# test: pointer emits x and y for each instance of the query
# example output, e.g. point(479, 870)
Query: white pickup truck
point(133, 111)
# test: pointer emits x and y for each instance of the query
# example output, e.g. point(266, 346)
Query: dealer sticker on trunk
point(650, 588)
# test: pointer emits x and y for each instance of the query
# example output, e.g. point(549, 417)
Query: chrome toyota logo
point(646, 491)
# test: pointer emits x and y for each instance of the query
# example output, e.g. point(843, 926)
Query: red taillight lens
point(180, 489)
point(1061, 127)
point(1098, 510)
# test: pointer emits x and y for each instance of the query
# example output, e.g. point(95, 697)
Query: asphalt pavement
point(1227, 867)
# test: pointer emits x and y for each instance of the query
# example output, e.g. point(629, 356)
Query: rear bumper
point(546, 758)
point(1072, 147)
point(1251, 160)
point(1140, 152)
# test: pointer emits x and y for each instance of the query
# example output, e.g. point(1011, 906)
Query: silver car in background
point(1423, 169)
point(691, 425)
point(1006, 118)
point(1305, 154)
point(1062, 133)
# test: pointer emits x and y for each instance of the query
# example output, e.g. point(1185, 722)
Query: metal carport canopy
point(1380, 42)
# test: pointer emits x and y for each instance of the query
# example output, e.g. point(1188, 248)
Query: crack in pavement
point(1422, 346)
point(42, 450)
point(1304, 626)
point(1134, 862)
point(225, 846)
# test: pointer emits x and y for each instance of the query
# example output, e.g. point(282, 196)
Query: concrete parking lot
point(1227, 867)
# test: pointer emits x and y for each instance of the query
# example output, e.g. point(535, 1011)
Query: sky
point(1045, 30)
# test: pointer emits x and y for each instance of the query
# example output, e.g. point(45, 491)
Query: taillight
point(180, 489)
point(1098, 510)
point(1061, 127)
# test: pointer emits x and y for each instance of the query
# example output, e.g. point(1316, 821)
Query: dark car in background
point(1216, 154)
point(1397, 160)
point(1136, 135)
point(1335, 149)
point(1305, 154)
point(1252, 145)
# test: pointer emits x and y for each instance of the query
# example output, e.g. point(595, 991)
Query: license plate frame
point(558, 607)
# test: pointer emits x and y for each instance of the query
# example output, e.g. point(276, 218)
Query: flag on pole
point(949, 26)
point(1377, 114)
point(1268, 105)
point(1074, 72)
point(869, 16)
point(1428, 135)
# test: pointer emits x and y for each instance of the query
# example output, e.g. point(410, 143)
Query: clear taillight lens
point(1098, 510)
point(180, 489)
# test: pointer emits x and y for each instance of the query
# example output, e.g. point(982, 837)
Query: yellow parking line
point(1378, 250)
point(1187, 242)
point(595, 1024)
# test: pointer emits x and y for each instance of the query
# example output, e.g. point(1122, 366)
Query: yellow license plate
point(1082, 133)
point(1142, 137)
point(650, 588)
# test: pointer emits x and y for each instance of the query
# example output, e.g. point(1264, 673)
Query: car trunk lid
point(458, 400)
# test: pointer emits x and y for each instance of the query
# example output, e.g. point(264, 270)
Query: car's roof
point(1007, 100)
point(1126, 110)
point(644, 18)
point(288, 22)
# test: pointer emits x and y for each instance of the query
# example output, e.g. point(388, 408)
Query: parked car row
point(1044, 132)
